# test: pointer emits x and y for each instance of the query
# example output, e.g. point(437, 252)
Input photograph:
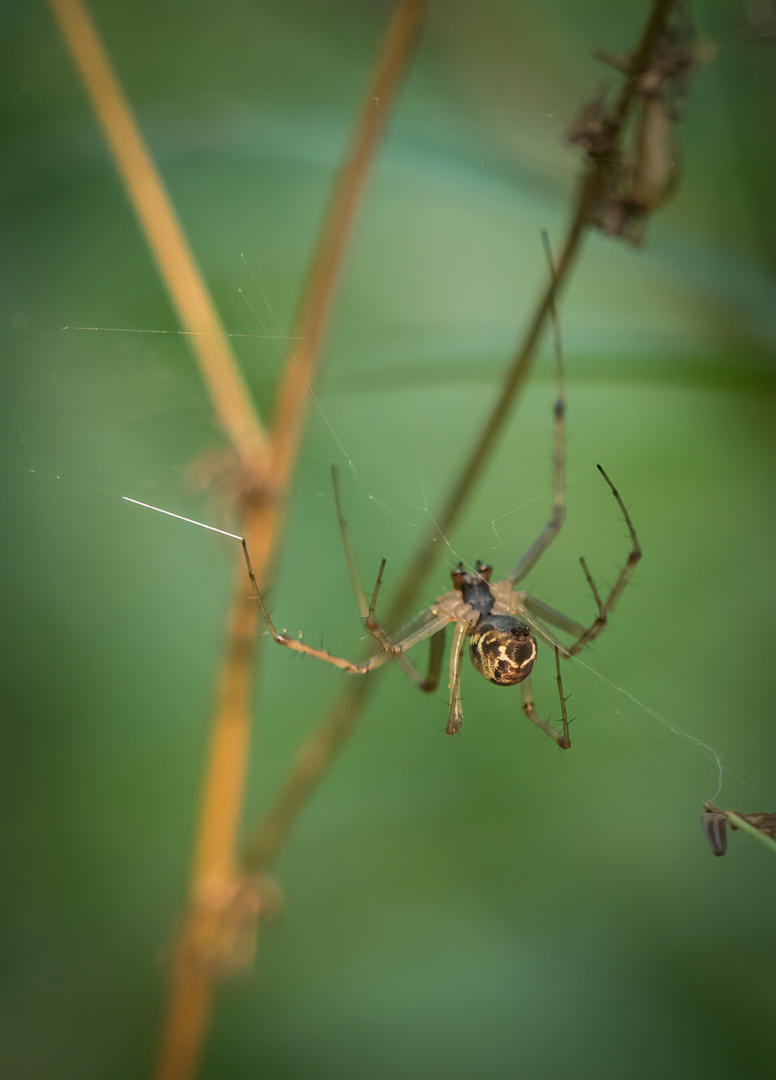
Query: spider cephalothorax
point(475, 588)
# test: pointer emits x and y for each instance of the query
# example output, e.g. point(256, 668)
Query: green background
point(483, 905)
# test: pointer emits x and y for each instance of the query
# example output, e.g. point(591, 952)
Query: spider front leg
point(529, 708)
point(432, 624)
point(527, 562)
point(435, 654)
point(395, 649)
point(309, 650)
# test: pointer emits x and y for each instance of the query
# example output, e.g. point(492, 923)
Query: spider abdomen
point(502, 649)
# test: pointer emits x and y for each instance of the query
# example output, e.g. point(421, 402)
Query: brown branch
point(313, 758)
point(164, 235)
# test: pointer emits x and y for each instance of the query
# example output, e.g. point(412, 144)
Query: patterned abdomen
point(503, 649)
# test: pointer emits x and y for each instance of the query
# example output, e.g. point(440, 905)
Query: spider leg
point(527, 562)
point(547, 635)
point(435, 654)
point(367, 609)
point(350, 557)
point(391, 651)
point(309, 650)
point(395, 650)
point(537, 614)
point(537, 609)
point(377, 632)
point(428, 625)
point(529, 708)
point(606, 607)
point(455, 718)
point(583, 635)
point(426, 684)
point(593, 587)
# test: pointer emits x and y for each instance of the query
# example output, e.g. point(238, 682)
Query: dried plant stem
point(227, 759)
point(164, 235)
point(314, 756)
point(214, 872)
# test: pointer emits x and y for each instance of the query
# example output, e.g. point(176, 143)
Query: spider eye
point(503, 650)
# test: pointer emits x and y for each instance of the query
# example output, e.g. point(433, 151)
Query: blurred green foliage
point(482, 905)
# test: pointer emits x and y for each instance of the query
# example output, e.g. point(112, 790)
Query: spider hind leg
point(529, 708)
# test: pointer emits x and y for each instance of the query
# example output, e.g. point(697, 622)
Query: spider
point(500, 622)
